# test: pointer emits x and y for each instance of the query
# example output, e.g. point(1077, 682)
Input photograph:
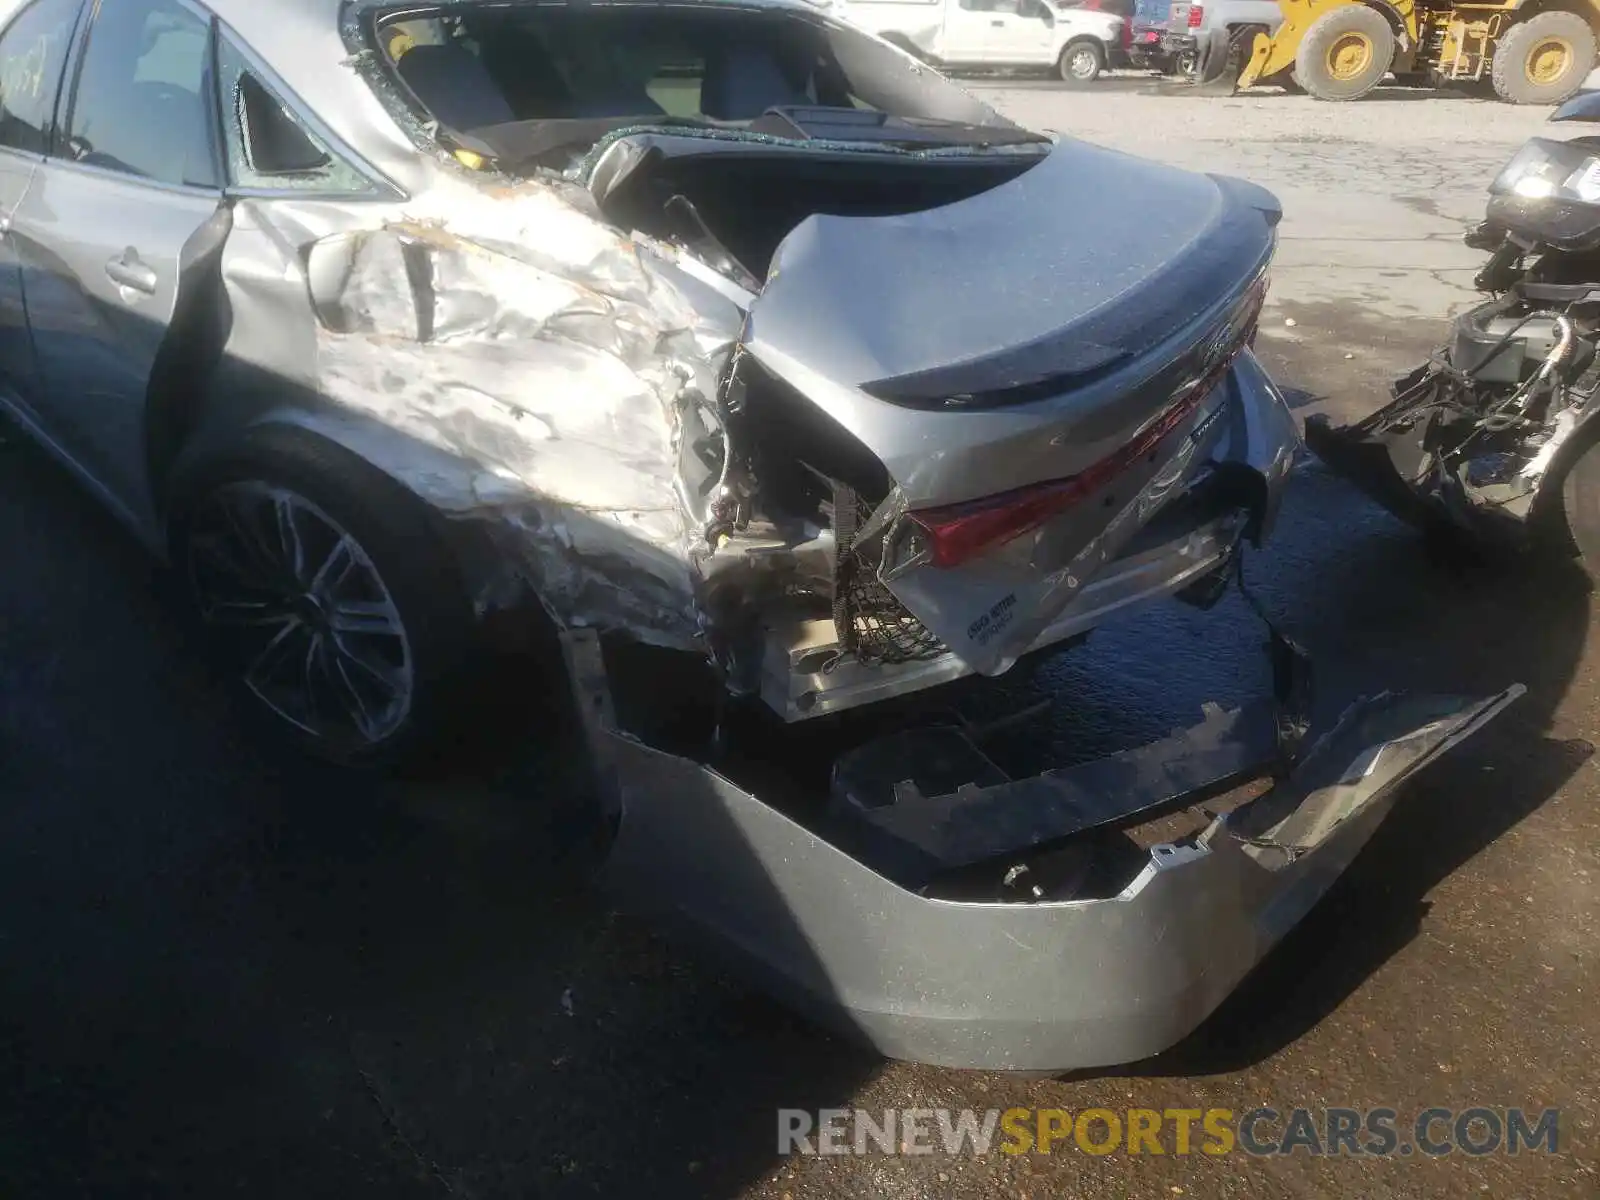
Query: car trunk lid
point(1036, 367)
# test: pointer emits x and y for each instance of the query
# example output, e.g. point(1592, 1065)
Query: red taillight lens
point(960, 532)
point(957, 533)
point(1197, 13)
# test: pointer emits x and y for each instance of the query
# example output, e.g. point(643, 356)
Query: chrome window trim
point(58, 163)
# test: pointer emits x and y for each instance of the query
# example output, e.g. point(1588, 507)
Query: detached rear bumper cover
point(1022, 986)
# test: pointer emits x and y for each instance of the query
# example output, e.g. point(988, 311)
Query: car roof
point(301, 42)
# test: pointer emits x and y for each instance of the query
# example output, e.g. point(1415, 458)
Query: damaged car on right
point(1494, 437)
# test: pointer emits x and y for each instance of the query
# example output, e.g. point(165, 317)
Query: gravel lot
point(228, 973)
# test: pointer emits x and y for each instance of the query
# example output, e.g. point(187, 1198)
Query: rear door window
point(33, 51)
point(143, 100)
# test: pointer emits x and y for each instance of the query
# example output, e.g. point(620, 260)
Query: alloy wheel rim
point(1081, 64)
point(300, 606)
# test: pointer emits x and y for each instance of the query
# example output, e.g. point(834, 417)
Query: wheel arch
point(1092, 39)
point(438, 479)
point(1404, 35)
point(512, 609)
point(1589, 10)
point(1390, 13)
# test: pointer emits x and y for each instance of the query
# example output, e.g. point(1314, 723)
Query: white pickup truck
point(1075, 43)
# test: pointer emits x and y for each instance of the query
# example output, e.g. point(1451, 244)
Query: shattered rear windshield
point(481, 66)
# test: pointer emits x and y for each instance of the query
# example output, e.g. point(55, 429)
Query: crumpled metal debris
point(554, 358)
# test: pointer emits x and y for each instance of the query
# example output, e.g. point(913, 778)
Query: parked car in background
point(1075, 43)
point(1117, 57)
point(1150, 47)
point(1213, 38)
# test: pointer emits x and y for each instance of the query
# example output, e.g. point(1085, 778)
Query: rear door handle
point(998, 24)
point(127, 271)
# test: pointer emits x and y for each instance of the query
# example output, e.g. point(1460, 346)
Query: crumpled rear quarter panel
point(506, 356)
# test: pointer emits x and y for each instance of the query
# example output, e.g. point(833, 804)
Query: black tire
point(1345, 54)
point(1580, 503)
point(1081, 62)
point(1543, 60)
point(1222, 78)
point(344, 621)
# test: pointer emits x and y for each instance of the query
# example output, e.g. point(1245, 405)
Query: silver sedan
point(392, 328)
point(725, 333)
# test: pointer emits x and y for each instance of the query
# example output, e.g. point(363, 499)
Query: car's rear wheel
point(327, 597)
point(1081, 62)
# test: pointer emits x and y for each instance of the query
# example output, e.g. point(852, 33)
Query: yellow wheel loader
point(1530, 51)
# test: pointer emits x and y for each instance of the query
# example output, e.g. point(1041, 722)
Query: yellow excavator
point(1529, 51)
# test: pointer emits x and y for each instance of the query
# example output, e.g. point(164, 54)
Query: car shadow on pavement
point(1458, 621)
point(251, 973)
point(237, 971)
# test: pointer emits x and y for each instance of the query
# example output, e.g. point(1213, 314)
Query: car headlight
point(1546, 169)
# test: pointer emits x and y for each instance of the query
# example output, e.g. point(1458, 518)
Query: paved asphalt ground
point(224, 973)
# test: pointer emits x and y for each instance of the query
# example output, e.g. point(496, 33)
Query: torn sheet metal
point(1480, 436)
point(537, 367)
point(1396, 457)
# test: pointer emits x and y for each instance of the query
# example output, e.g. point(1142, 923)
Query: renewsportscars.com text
point(1378, 1132)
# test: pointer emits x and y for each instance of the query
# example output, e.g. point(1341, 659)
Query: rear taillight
point(1197, 13)
point(959, 532)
